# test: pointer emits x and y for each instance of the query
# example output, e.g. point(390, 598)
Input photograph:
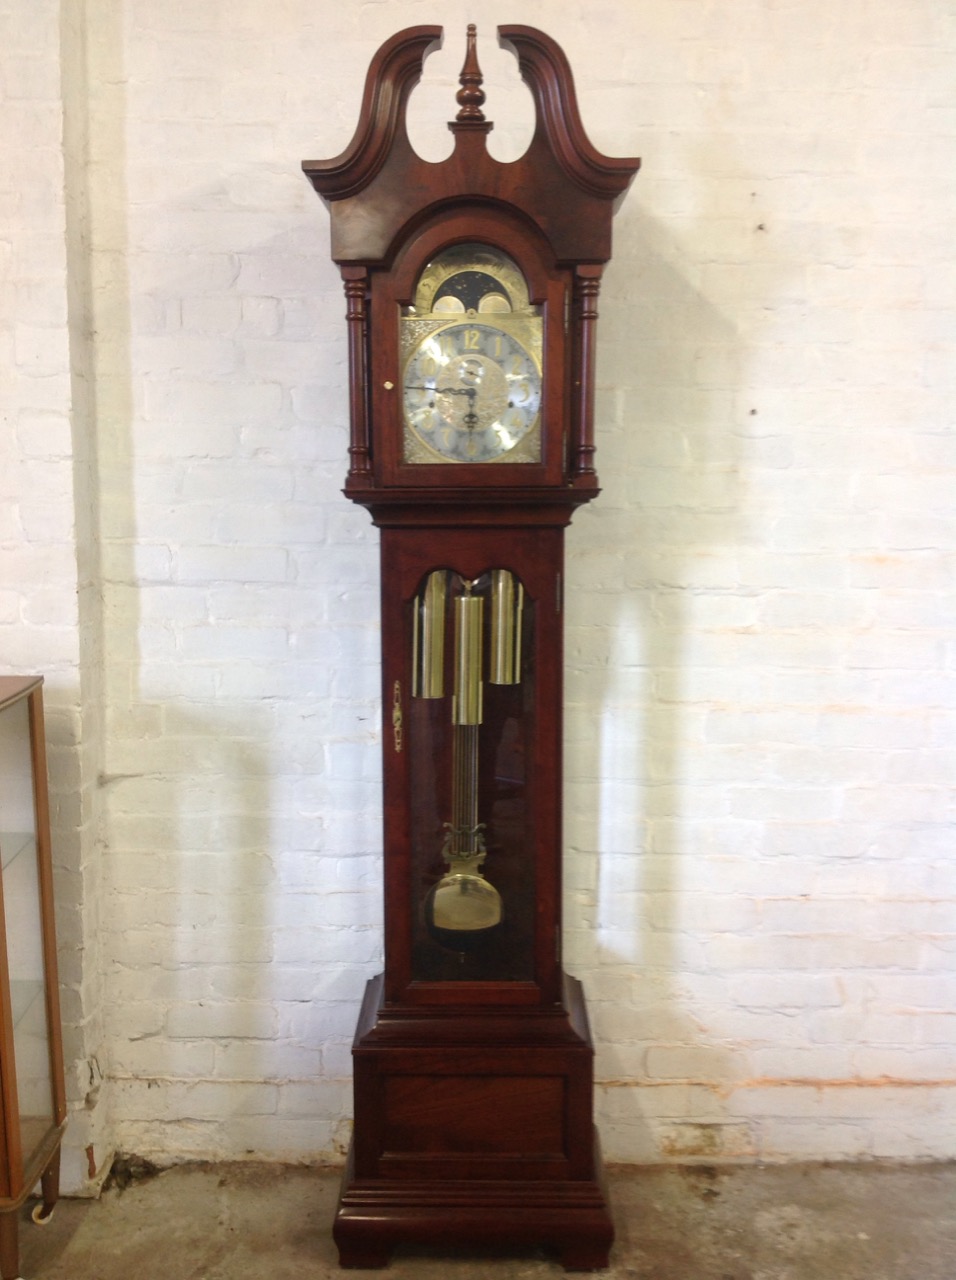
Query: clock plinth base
point(572, 1221)
point(474, 1129)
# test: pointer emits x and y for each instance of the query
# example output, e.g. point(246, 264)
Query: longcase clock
point(472, 287)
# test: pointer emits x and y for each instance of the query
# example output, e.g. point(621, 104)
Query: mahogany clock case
point(471, 445)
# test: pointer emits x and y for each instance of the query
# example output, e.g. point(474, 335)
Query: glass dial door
point(471, 346)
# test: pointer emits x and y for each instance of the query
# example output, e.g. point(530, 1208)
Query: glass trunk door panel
point(470, 730)
point(24, 929)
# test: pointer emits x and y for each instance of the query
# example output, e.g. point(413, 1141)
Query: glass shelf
point(13, 843)
point(23, 994)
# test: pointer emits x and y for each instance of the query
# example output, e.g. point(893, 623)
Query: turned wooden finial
point(471, 95)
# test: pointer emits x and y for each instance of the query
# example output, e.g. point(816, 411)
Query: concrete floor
point(798, 1222)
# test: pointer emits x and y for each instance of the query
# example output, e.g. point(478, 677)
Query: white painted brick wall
point(759, 883)
point(47, 597)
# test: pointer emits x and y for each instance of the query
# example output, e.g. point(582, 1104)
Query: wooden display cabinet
point(32, 1096)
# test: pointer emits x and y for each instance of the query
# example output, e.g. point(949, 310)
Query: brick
point(795, 1139)
point(240, 563)
point(207, 1019)
point(690, 1062)
point(148, 1059)
point(263, 484)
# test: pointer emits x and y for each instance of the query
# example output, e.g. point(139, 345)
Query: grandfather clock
point(472, 287)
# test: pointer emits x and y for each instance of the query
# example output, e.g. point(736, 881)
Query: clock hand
point(442, 391)
point(471, 418)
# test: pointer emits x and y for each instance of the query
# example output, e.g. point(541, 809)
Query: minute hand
point(470, 418)
point(442, 391)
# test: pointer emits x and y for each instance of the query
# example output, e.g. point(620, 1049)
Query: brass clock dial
point(471, 347)
point(471, 392)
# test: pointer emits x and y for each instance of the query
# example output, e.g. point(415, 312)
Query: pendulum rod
point(466, 838)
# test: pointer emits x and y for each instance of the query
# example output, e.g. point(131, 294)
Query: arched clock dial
point(471, 345)
point(471, 392)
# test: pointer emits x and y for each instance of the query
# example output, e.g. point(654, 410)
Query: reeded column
point(356, 315)
point(587, 285)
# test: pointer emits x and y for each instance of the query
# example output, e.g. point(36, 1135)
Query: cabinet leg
point(50, 1186)
point(364, 1257)
point(584, 1257)
point(9, 1246)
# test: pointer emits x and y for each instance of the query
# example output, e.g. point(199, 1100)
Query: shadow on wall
point(642, 555)
point(97, 307)
point(178, 806)
point(230, 752)
point(192, 892)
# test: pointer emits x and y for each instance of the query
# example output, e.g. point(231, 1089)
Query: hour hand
point(441, 391)
point(470, 418)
